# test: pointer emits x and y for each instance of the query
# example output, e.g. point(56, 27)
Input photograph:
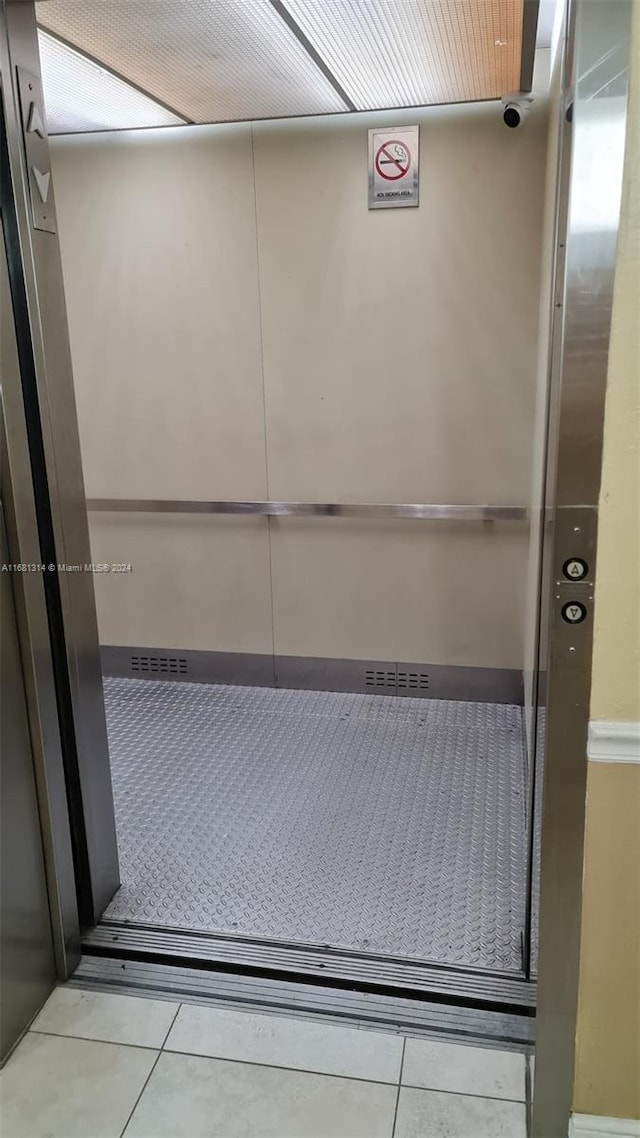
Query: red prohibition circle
point(397, 162)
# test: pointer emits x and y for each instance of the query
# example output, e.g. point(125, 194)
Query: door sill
point(314, 966)
point(395, 1013)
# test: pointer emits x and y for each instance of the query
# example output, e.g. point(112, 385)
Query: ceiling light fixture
point(408, 53)
point(81, 95)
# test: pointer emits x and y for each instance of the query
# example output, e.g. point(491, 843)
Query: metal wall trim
point(311, 673)
point(407, 510)
point(114, 938)
point(593, 131)
point(418, 1018)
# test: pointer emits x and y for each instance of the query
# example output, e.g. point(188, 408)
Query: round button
point(574, 612)
point(575, 569)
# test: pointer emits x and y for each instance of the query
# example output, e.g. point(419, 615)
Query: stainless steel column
point(594, 124)
point(37, 287)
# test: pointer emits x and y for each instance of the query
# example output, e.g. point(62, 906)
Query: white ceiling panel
point(395, 53)
point(210, 60)
point(81, 96)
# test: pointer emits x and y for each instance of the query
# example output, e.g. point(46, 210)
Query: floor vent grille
point(162, 665)
point(380, 679)
point(413, 681)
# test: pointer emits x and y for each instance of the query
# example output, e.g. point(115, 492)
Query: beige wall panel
point(399, 353)
point(400, 345)
point(405, 591)
point(616, 652)
point(608, 1028)
point(157, 230)
point(399, 356)
point(196, 582)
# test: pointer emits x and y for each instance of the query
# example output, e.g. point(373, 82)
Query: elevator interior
point(307, 433)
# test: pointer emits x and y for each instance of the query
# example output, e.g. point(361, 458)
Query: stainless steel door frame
point(592, 145)
point(49, 404)
point(35, 650)
point(27, 962)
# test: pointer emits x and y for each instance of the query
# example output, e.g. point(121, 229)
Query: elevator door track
point(365, 827)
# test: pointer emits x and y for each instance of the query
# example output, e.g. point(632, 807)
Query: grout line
point(528, 1092)
point(283, 1067)
point(143, 1089)
point(264, 399)
point(395, 1113)
point(463, 1094)
point(92, 1039)
point(164, 1041)
point(219, 1058)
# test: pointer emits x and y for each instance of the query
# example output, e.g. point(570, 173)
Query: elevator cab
point(294, 418)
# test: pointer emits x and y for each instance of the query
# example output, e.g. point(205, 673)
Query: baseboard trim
point(613, 742)
point(311, 673)
point(596, 1126)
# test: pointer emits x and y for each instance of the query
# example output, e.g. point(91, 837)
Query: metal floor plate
point(391, 826)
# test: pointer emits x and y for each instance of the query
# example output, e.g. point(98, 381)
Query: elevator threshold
point(391, 1011)
point(312, 965)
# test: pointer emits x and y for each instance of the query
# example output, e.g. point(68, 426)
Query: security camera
point(515, 108)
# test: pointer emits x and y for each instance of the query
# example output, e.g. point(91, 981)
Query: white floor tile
point(433, 1114)
point(278, 1041)
point(466, 1070)
point(105, 1016)
point(192, 1097)
point(70, 1088)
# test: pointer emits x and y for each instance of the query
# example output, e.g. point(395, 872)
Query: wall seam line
point(264, 396)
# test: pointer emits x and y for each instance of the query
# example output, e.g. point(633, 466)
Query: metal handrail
point(415, 511)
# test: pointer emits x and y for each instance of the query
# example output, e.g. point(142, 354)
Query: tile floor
point(98, 1065)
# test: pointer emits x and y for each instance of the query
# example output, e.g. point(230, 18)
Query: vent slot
point(380, 679)
point(159, 665)
point(413, 681)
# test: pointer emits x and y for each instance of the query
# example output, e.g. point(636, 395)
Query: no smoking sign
point(393, 160)
point(393, 167)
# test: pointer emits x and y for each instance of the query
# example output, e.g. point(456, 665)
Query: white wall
point(243, 326)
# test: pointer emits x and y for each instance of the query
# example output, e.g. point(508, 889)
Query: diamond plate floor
point(394, 826)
